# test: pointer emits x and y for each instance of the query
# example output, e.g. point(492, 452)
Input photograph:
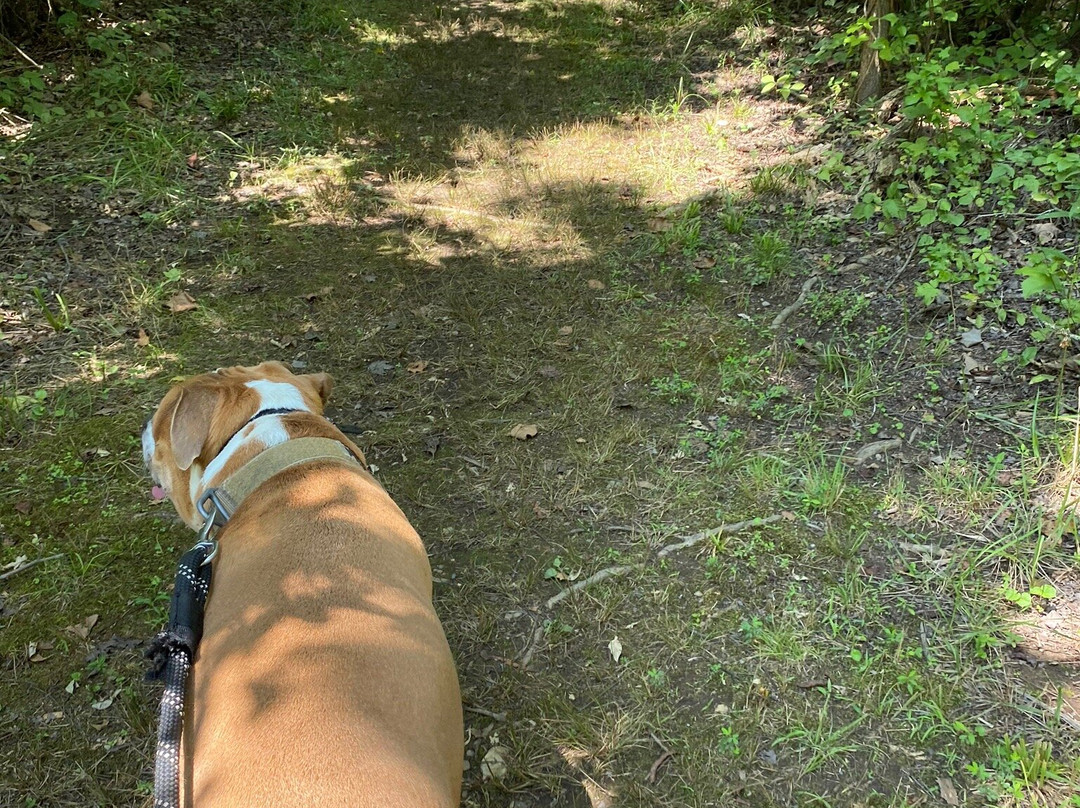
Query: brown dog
point(323, 677)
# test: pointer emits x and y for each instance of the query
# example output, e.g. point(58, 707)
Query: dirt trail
point(579, 217)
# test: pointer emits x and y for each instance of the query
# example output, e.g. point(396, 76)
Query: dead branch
point(500, 717)
point(28, 565)
point(21, 52)
point(596, 577)
point(872, 450)
point(622, 569)
point(790, 309)
point(537, 638)
point(690, 541)
point(660, 761)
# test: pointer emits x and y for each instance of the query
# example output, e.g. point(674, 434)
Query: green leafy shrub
point(986, 140)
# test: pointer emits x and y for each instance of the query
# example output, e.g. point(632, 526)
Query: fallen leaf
point(493, 764)
point(38, 226)
point(83, 629)
point(105, 704)
point(193, 160)
point(972, 337)
point(566, 331)
point(145, 100)
point(180, 302)
point(56, 715)
point(419, 366)
point(599, 797)
point(1045, 231)
point(971, 364)
point(380, 367)
point(704, 262)
point(71, 686)
point(1007, 477)
point(658, 225)
point(143, 339)
point(22, 506)
point(596, 285)
point(523, 431)
point(948, 791)
point(615, 647)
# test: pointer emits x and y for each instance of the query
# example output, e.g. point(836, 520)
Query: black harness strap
point(262, 414)
point(171, 653)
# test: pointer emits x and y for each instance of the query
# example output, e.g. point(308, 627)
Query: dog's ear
point(190, 424)
point(322, 383)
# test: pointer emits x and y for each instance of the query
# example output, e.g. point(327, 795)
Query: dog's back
point(324, 677)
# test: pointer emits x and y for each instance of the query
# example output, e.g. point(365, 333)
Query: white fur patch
point(148, 445)
point(267, 431)
point(273, 395)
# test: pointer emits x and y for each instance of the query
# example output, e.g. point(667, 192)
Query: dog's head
point(197, 418)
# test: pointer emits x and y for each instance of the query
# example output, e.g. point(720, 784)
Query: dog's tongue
point(157, 492)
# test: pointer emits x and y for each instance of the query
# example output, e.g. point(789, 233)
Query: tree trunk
point(868, 87)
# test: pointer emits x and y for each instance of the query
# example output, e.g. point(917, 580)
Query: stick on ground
point(622, 569)
point(28, 565)
point(791, 308)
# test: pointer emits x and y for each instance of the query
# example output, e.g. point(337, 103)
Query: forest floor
point(580, 221)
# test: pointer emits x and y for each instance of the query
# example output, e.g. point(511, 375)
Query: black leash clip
point(186, 605)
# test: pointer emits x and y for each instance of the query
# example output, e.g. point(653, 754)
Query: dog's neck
point(264, 429)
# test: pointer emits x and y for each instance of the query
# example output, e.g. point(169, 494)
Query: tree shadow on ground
point(402, 85)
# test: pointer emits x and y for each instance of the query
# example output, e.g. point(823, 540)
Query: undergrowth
point(979, 160)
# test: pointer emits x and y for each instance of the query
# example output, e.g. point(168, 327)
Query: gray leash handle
point(170, 725)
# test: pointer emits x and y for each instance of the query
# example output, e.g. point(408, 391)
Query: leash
point(171, 653)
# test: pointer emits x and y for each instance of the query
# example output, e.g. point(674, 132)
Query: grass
point(533, 219)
